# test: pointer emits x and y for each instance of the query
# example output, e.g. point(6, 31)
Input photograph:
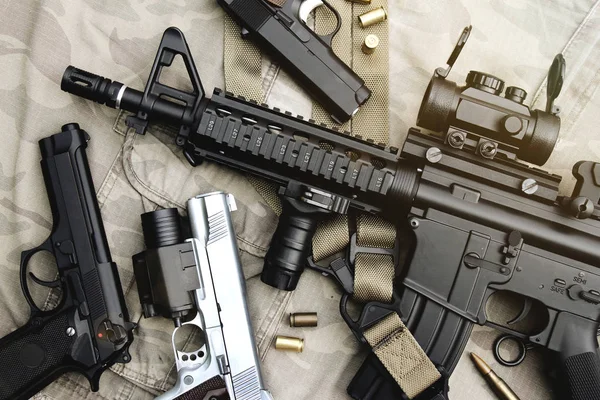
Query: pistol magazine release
point(199, 281)
point(89, 330)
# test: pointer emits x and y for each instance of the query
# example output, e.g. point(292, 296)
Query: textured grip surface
point(215, 387)
point(583, 376)
point(32, 357)
point(291, 244)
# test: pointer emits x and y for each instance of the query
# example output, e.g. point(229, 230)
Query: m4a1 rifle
point(480, 221)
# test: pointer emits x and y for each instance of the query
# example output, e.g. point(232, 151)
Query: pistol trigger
point(523, 314)
point(52, 284)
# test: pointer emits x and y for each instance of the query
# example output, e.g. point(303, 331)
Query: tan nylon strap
point(268, 192)
point(243, 64)
point(372, 231)
point(373, 119)
point(330, 237)
point(374, 273)
point(401, 355)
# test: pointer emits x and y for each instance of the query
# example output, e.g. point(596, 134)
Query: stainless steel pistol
point(199, 281)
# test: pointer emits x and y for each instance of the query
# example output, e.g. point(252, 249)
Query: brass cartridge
point(372, 17)
point(289, 343)
point(298, 320)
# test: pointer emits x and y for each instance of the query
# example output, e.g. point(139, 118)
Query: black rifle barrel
point(117, 95)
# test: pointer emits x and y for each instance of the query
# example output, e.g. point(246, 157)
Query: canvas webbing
point(242, 62)
point(401, 355)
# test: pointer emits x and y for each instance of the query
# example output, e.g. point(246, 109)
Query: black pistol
point(279, 27)
point(89, 330)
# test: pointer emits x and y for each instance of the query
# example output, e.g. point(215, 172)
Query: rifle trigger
point(523, 314)
point(51, 284)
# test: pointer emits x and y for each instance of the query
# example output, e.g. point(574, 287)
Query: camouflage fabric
point(514, 40)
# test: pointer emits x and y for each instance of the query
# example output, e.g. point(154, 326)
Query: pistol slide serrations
point(228, 349)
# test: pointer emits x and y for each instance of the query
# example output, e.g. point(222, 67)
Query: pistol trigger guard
point(309, 6)
point(25, 257)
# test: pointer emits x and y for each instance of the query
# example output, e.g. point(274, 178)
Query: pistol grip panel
point(213, 388)
point(583, 376)
point(34, 355)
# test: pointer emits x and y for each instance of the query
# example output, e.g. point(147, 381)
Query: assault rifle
point(480, 220)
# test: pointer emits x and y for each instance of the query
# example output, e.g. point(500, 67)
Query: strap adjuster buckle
point(342, 267)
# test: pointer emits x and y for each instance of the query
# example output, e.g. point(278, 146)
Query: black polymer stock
point(89, 330)
point(475, 217)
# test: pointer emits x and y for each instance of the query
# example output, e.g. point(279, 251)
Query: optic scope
point(489, 117)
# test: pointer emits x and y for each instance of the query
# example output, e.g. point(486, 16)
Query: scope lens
point(162, 228)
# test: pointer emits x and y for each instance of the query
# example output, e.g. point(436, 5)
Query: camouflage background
point(514, 40)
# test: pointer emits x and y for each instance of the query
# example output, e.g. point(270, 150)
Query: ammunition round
point(289, 343)
point(370, 44)
point(372, 17)
point(299, 320)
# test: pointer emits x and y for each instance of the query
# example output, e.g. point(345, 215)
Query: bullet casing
point(289, 343)
point(300, 320)
point(370, 44)
point(360, 1)
point(501, 388)
point(372, 17)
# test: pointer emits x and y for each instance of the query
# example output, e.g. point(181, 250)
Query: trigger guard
point(309, 6)
point(25, 257)
point(523, 314)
